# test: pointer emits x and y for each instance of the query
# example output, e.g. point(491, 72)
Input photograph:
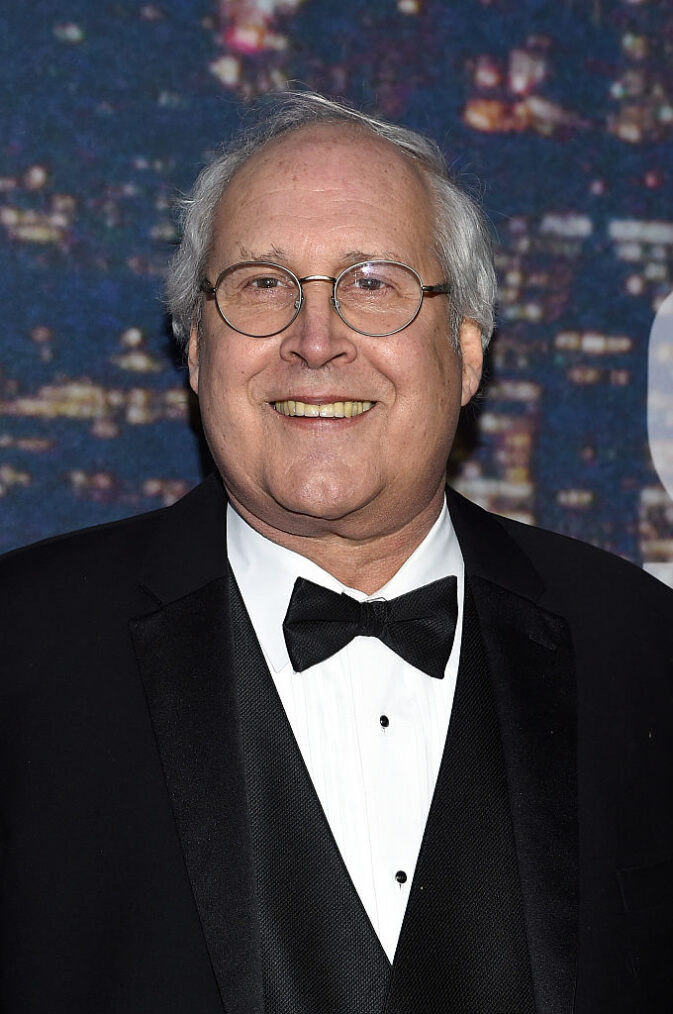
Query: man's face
point(317, 201)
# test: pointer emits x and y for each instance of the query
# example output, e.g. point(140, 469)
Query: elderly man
point(324, 738)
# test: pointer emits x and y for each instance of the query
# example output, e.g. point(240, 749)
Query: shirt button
point(401, 877)
point(385, 721)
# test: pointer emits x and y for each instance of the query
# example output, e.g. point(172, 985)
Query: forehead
point(334, 180)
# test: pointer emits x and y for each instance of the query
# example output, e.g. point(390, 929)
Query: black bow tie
point(418, 626)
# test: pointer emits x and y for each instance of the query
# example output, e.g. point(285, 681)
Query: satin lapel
point(319, 950)
point(183, 659)
point(463, 946)
point(531, 664)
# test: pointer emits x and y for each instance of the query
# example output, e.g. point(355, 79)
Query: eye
point(264, 282)
point(369, 284)
point(257, 283)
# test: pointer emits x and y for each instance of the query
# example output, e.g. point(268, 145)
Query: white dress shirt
point(370, 726)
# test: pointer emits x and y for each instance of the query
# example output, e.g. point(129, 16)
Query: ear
point(472, 359)
point(193, 359)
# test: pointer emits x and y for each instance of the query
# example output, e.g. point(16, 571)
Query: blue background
point(559, 116)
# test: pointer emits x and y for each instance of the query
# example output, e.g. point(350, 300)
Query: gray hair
point(462, 237)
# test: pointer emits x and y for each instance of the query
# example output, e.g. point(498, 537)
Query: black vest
point(463, 946)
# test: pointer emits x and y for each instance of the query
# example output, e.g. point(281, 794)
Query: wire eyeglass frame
point(210, 291)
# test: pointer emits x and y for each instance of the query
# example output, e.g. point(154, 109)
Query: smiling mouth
point(329, 410)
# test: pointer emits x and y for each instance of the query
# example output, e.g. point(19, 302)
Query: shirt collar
point(266, 573)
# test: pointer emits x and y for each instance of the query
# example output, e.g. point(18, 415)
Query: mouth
point(327, 410)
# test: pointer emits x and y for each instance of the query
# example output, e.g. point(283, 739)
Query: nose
point(318, 336)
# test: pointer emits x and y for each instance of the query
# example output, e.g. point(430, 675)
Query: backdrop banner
point(558, 116)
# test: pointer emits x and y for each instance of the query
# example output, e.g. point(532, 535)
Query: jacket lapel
point(319, 950)
point(463, 946)
point(530, 658)
point(199, 696)
point(183, 657)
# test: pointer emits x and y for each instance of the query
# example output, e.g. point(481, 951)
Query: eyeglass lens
point(374, 297)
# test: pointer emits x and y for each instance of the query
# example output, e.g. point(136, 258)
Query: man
point(228, 786)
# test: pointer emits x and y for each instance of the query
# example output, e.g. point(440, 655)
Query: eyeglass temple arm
point(442, 289)
point(206, 287)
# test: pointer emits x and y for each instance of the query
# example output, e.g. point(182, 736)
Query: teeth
point(330, 410)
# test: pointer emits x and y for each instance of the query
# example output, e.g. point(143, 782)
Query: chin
point(316, 488)
point(321, 498)
point(318, 507)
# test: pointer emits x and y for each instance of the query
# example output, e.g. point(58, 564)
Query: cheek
point(428, 383)
point(229, 418)
point(225, 376)
point(429, 402)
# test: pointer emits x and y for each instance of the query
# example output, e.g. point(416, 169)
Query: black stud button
point(385, 721)
point(401, 877)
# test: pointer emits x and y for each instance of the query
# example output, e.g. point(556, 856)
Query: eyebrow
point(380, 255)
point(276, 253)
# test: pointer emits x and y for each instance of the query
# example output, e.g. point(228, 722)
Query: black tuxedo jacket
point(125, 800)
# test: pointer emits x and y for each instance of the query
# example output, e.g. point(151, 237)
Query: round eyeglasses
point(376, 298)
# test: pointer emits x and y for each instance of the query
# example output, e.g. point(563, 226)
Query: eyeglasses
point(376, 298)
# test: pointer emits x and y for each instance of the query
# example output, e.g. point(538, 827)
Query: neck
point(366, 563)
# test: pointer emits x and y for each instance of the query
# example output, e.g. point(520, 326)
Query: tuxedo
point(162, 845)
